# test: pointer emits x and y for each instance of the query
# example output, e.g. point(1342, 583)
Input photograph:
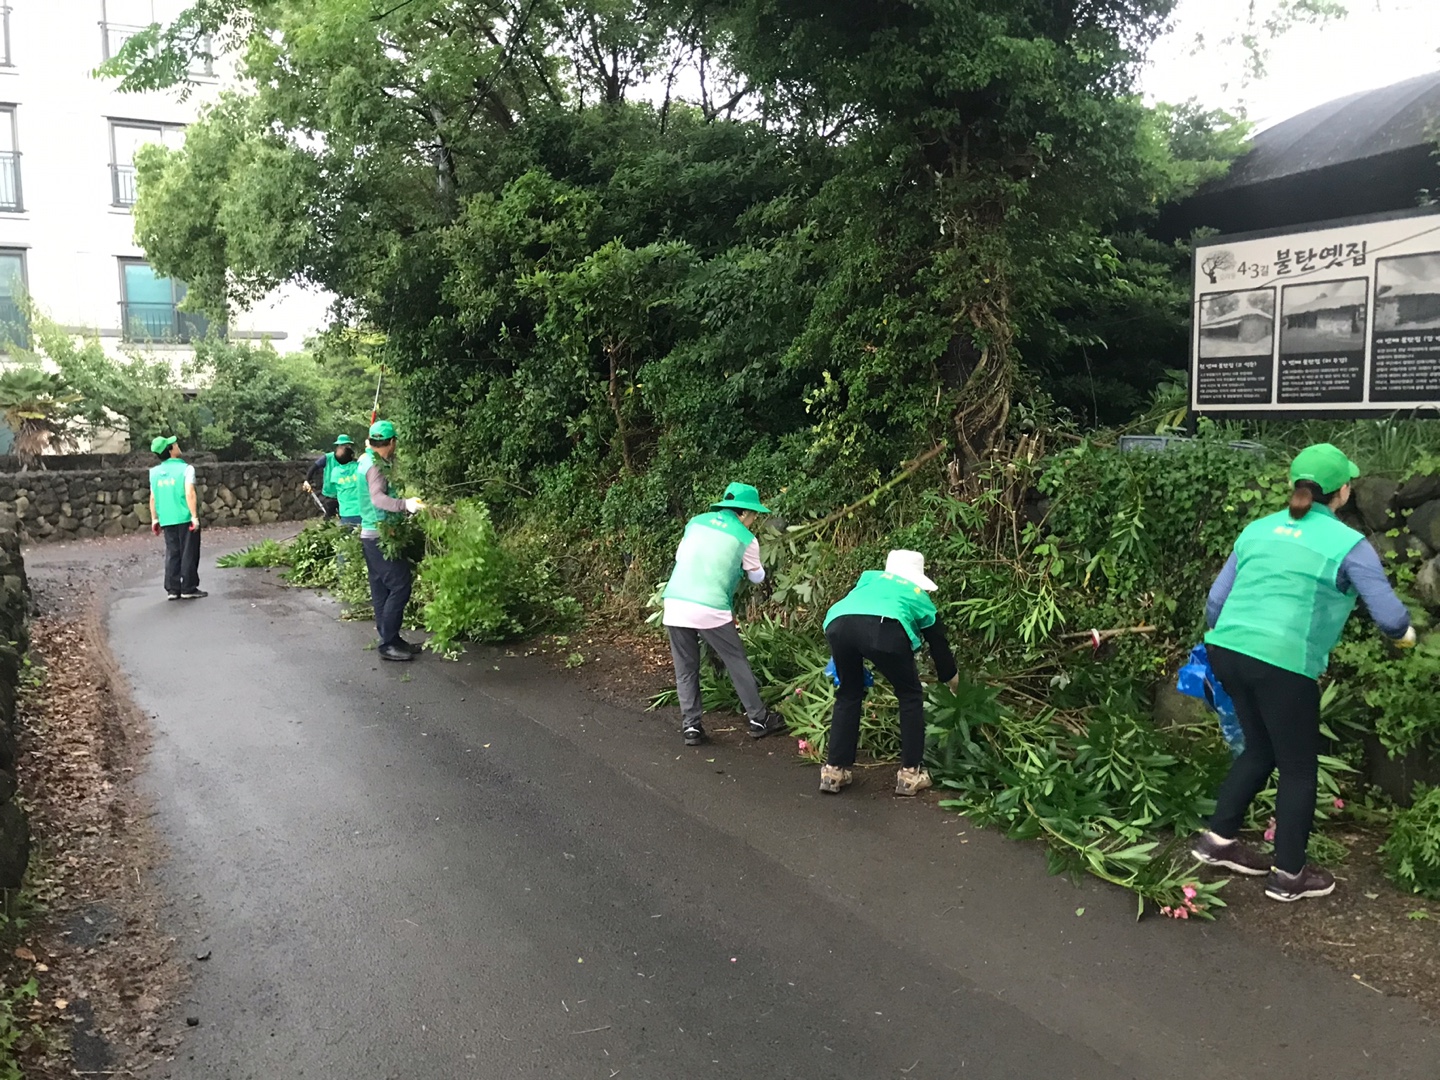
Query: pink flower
point(1339, 804)
point(799, 691)
point(1189, 892)
point(1270, 831)
point(1164, 911)
point(1181, 913)
point(803, 746)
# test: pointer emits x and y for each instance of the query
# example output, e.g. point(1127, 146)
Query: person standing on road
point(390, 579)
point(884, 620)
point(339, 482)
point(717, 550)
point(175, 511)
point(1275, 613)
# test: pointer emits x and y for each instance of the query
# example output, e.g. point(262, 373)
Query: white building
point(67, 143)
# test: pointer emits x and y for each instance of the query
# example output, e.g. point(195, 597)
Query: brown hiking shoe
point(912, 781)
point(833, 778)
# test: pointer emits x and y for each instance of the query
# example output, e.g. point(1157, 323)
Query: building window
point(126, 137)
point(123, 19)
point(11, 196)
point(149, 307)
point(6, 60)
point(14, 326)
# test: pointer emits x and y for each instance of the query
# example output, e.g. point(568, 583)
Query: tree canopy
point(620, 248)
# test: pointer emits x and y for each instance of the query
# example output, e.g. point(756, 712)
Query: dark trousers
point(853, 640)
point(389, 590)
point(182, 558)
point(1279, 712)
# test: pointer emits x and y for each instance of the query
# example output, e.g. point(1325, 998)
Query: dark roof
point(1367, 125)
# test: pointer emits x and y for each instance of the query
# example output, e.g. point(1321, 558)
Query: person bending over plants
point(883, 620)
point(1275, 613)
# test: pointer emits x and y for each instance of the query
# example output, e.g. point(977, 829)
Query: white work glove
point(414, 506)
point(307, 486)
point(1408, 641)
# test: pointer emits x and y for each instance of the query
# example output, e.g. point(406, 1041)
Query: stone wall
point(111, 502)
point(1403, 519)
point(14, 640)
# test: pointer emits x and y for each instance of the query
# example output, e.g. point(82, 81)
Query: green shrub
point(266, 553)
point(1412, 850)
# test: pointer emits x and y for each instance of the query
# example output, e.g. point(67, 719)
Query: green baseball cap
point(160, 443)
point(382, 430)
point(741, 497)
point(1325, 465)
point(344, 440)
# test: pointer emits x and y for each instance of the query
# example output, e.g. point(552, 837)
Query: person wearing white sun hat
point(884, 620)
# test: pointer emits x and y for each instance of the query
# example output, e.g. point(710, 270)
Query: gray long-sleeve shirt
point(378, 485)
point(1360, 570)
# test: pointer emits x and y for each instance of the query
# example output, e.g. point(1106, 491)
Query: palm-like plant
point(36, 405)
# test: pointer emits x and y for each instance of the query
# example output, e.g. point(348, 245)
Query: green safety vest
point(370, 517)
point(891, 597)
point(1285, 607)
point(167, 488)
point(342, 483)
point(709, 560)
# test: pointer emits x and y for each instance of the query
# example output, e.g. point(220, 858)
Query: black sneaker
point(194, 594)
point(1307, 884)
point(1231, 854)
point(772, 723)
point(392, 652)
point(414, 646)
point(694, 735)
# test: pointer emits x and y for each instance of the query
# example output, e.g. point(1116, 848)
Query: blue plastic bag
point(835, 678)
point(1197, 679)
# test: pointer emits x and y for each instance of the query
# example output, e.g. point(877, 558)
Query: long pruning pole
point(375, 411)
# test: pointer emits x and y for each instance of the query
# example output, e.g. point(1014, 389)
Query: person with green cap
point(884, 620)
point(390, 579)
point(717, 550)
point(1275, 613)
point(175, 511)
point(338, 482)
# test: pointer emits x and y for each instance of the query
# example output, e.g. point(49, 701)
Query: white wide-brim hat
point(911, 566)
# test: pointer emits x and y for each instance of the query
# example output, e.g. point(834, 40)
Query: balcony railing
point(122, 185)
point(14, 326)
point(11, 197)
point(161, 323)
point(113, 37)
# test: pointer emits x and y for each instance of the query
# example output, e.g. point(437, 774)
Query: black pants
point(389, 590)
point(182, 558)
point(1279, 712)
point(853, 640)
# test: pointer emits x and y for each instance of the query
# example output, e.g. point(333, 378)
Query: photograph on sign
point(1237, 339)
point(1337, 317)
point(1322, 341)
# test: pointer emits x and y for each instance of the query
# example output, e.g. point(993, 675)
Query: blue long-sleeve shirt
point(1360, 570)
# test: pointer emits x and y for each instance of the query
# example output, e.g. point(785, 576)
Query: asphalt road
point(476, 869)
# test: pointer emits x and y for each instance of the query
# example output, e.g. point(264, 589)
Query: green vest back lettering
point(167, 485)
point(708, 563)
point(890, 597)
point(1285, 607)
point(370, 517)
point(342, 481)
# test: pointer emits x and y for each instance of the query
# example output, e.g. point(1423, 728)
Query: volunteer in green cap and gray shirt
point(338, 481)
point(1275, 612)
point(717, 550)
point(390, 579)
point(175, 511)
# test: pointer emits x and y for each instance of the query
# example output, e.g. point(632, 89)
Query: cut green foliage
point(1412, 850)
point(267, 552)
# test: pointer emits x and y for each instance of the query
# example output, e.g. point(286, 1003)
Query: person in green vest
point(390, 579)
point(717, 550)
point(1275, 612)
point(175, 511)
point(884, 619)
point(338, 482)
